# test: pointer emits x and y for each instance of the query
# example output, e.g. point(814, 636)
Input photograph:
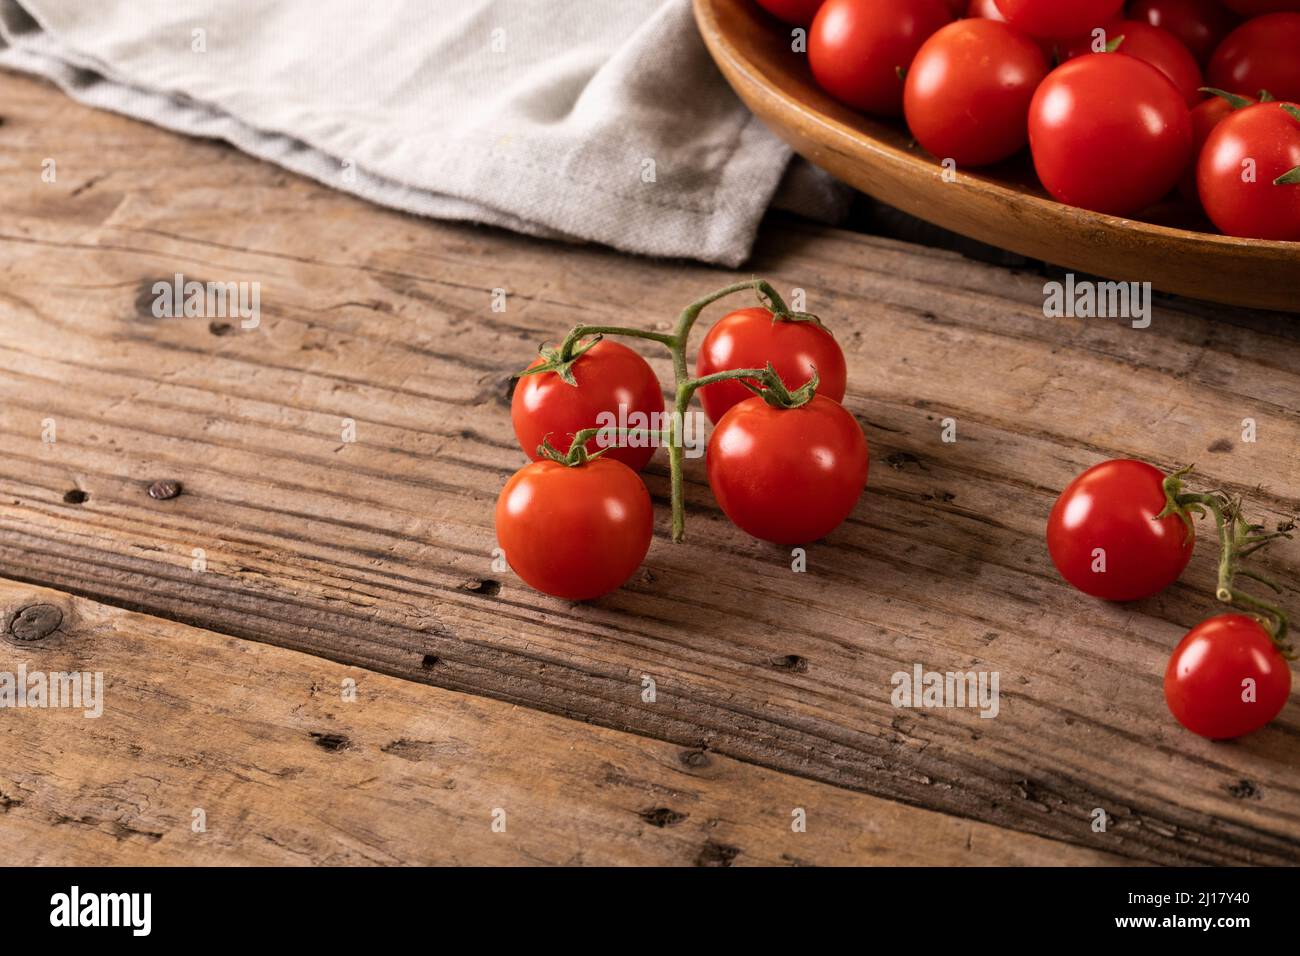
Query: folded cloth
point(561, 118)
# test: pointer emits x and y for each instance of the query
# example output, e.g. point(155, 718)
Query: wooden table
point(309, 644)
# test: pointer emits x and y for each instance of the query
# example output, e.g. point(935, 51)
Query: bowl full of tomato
point(1034, 189)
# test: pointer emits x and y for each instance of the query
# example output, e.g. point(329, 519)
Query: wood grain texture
point(1002, 205)
point(377, 553)
point(290, 765)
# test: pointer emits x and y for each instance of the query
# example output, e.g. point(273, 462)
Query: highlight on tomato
point(1109, 133)
point(1199, 25)
point(1151, 45)
point(575, 526)
point(558, 396)
point(1227, 677)
point(860, 50)
point(1109, 533)
point(1261, 54)
point(1248, 176)
point(795, 344)
point(1058, 19)
point(787, 467)
point(968, 91)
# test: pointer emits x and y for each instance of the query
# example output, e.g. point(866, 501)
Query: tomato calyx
point(1235, 101)
point(554, 360)
point(773, 391)
point(1238, 540)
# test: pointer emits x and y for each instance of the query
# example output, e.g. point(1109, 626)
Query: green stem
point(561, 362)
point(1236, 541)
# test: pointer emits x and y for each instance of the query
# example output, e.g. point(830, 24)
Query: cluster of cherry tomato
point(1123, 531)
point(1118, 108)
point(785, 461)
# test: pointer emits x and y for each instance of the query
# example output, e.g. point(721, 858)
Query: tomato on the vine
point(1243, 157)
point(1226, 678)
point(1058, 19)
point(787, 475)
point(798, 12)
point(610, 376)
point(859, 50)
point(1261, 54)
point(1199, 25)
point(1152, 45)
point(575, 531)
point(1109, 133)
point(751, 338)
point(967, 94)
point(1105, 538)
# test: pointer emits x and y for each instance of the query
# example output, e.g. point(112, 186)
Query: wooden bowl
point(1002, 205)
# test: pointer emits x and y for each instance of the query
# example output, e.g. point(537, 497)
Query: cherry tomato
point(1261, 54)
point(798, 12)
point(988, 10)
point(609, 375)
point(787, 475)
point(1105, 539)
point(1205, 117)
point(1109, 133)
point(1160, 48)
point(1255, 8)
point(751, 338)
point(1242, 157)
point(575, 532)
point(1058, 19)
point(967, 94)
point(1226, 678)
point(857, 49)
point(1200, 25)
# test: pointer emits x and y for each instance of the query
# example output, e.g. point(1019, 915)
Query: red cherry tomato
point(798, 12)
point(1226, 678)
point(967, 94)
point(575, 532)
point(1205, 118)
point(609, 375)
point(1105, 539)
point(988, 10)
point(1255, 8)
point(787, 475)
point(1200, 25)
point(1160, 48)
point(858, 48)
point(1109, 133)
point(1058, 19)
point(1242, 157)
point(751, 338)
point(1261, 54)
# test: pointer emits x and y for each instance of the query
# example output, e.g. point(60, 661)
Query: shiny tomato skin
point(967, 94)
point(575, 532)
point(798, 12)
point(1113, 506)
point(750, 338)
point(787, 475)
point(988, 10)
point(1109, 133)
point(856, 48)
point(1155, 46)
point(1203, 682)
point(1205, 117)
point(608, 375)
point(1269, 137)
point(1261, 54)
point(1058, 19)
point(1199, 25)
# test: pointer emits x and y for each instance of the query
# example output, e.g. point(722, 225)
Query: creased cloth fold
point(561, 118)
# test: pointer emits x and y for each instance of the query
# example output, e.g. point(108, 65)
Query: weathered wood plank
point(377, 552)
point(291, 764)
